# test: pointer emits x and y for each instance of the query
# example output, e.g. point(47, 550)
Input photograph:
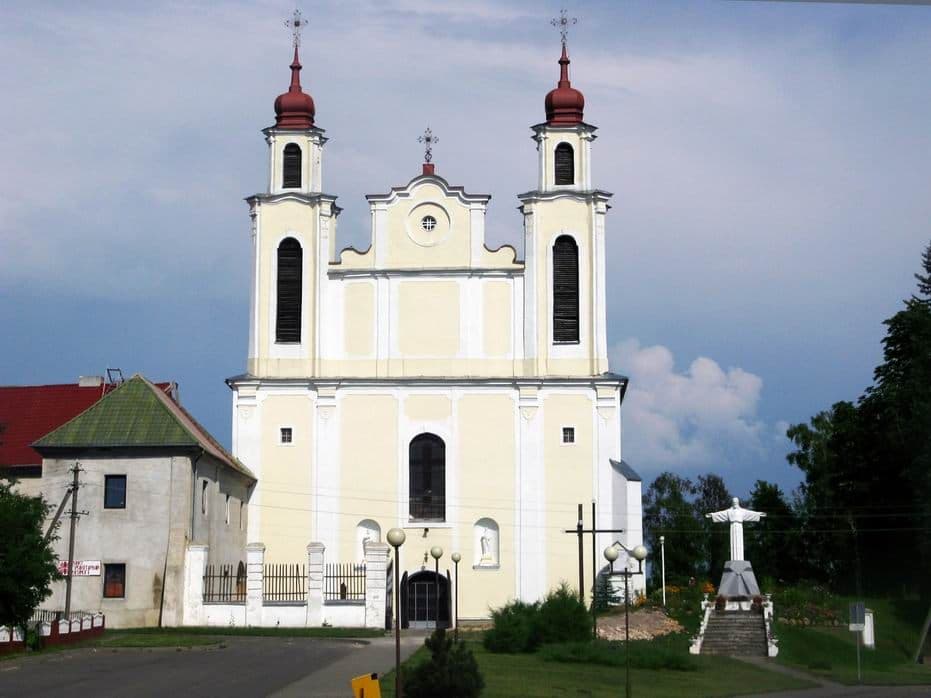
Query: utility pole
point(579, 530)
point(74, 520)
point(61, 507)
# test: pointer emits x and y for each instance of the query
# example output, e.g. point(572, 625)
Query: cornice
point(405, 191)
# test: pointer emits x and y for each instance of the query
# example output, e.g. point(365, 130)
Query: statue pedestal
point(738, 580)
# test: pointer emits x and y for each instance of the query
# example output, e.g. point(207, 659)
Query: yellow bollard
point(366, 686)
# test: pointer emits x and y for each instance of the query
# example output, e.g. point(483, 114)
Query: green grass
point(831, 651)
point(122, 638)
point(326, 632)
point(531, 676)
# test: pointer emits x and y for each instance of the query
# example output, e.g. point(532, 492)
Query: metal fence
point(44, 615)
point(284, 583)
point(344, 582)
point(225, 583)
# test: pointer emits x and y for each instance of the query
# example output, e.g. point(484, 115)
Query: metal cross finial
point(296, 25)
point(428, 139)
point(562, 23)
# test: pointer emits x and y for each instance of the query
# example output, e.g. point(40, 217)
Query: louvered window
point(565, 291)
point(288, 320)
point(565, 164)
point(291, 166)
point(428, 478)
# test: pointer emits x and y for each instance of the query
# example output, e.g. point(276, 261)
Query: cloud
point(704, 417)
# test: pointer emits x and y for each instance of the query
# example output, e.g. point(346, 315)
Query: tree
point(27, 562)
point(866, 465)
point(712, 495)
point(668, 511)
point(451, 671)
point(773, 542)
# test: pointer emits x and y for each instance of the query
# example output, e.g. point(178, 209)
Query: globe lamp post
point(456, 558)
point(436, 552)
point(639, 553)
point(396, 538)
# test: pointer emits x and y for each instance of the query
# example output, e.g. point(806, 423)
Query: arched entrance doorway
point(418, 600)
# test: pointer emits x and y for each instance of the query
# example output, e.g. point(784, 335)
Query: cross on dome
point(562, 23)
point(296, 25)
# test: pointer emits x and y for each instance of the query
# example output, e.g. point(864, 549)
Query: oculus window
point(114, 492)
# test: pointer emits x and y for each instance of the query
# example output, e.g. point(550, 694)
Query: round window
point(428, 223)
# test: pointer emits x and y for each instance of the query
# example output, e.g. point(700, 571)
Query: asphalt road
point(240, 666)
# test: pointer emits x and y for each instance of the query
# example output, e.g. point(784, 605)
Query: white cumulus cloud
point(703, 417)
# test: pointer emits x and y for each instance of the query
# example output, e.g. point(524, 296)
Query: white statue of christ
point(736, 515)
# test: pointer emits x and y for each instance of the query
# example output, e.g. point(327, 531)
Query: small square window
point(114, 580)
point(287, 435)
point(568, 435)
point(114, 492)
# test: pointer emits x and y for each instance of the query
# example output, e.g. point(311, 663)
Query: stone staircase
point(735, 633)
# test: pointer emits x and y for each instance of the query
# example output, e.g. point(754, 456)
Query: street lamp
point(437, 552)
point(662, 562)
point(396, 538)
point(639, 553)
point(456, 558)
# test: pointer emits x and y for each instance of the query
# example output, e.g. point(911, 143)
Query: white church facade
point(430, 383)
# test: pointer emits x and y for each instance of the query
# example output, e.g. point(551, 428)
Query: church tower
point(293, 232)
point(564, 244)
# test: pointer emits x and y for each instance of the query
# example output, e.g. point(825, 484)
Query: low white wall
point(284, 616)
point(231, 615)
point(345, 615)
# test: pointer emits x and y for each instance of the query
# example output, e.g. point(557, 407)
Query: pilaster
point(315, 552)
point(255, 573)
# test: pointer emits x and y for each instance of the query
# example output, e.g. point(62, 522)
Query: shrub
point(451, 671)
point(516, 628)
point(563, 618)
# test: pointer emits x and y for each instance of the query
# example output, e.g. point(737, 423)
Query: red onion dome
point(295, 108)
point(564, 104)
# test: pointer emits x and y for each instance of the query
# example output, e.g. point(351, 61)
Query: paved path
point(830, 689)
point(239, 666)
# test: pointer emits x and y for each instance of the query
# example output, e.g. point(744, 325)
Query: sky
point(769, 162)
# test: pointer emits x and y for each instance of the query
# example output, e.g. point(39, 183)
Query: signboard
point(857, 617)
point(82, 568)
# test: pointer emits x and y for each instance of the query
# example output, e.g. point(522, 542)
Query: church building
point(430, 383)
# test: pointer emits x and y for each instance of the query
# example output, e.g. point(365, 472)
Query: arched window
point(486, 545)
point(564, 167)
point(428, 478)
point(565, 291)
point(291, 166)
point(290, 263)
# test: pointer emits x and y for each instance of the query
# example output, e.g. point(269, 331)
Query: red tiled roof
point(29, 412)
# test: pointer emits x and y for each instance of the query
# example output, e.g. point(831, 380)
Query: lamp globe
point(396, 537)
point(610, 553)
point(640, 553)
point(436, 552)
point(456, 557)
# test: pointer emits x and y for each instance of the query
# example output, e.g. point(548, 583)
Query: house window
point(565, 291)
point(114, 492)
point(287, 435)
point(564, 165)
point(290, 269)
point(227, 510)
point(114, 580)
point(568, 435)
point(203, 497)
point(291, 166)
point(427, 478)
point(242, 516)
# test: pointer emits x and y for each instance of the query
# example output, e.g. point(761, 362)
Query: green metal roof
point(131, 415)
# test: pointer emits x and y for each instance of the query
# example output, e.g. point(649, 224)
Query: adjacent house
point(152, 480)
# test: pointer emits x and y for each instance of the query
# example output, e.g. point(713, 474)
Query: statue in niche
point(486, 543)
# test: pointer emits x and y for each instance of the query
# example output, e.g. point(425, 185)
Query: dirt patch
point(645, 624)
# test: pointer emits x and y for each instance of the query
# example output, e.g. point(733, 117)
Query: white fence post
point(195, 561)
point(255, 575)
point(315, 553)
point(376, 578)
